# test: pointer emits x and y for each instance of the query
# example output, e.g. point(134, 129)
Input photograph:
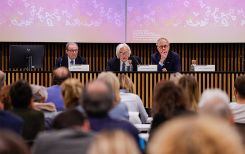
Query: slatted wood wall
point(144, 81)
point(226, 56)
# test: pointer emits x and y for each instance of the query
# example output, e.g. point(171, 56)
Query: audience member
point(215, 102)
point(97, 101)
point(238, 107)
point(72, 137)
point(119, 109)
point(21, 97)
point(195, 135)
point(123, 60)
point(165, 59)
point(190, 87)
point(5, 98)
point(133, 101)
point(11, 143)
point(71, 57)
point(169, 101)
point(71, 90)
point(10, 121)
point(113, 142)
point(54, 92)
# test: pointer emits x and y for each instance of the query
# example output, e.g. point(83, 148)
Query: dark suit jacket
point(63, 61)
point(172, 62)
point(114, 63)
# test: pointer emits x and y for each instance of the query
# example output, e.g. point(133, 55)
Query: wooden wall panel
point(226, 56)
point(144, 81)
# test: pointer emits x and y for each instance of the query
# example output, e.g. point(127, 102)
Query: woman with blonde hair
point(71, 90)
point(137, 112)
point(113, 142)
point(196, 135)
point(190, 87)
point(119, 110)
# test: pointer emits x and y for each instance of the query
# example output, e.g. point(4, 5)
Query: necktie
point(123, 67)
point(72, 62)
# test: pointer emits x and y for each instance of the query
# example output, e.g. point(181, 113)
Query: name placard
point(147, 68)
point(79, 68)
point(204, 68)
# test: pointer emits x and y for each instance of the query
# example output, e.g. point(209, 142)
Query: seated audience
point(169, 102)
point(238, 107)
point(190, 87)
point(97, 100)
point(215, 103)
point(123, 61)
point(11, 143)
point(54, 92)
point(71, 90)
point(195, 135)
point(72, 135)
point(21, 97)
point(10, 121)
point(71, 57)
point(113, 142)
point(119, 109)
point(133, 101)
point(5, 98)
point(165, 59)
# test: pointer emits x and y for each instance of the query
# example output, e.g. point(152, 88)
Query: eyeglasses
point(163, 46)
point(73, 50)
point(124, 53)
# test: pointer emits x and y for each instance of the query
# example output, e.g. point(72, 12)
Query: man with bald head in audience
point(54, 92)
point(97, 101)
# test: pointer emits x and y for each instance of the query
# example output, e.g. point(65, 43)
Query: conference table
point(144, 81)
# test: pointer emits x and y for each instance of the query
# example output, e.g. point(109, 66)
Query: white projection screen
point(186, 20)
point(62, 20)
point(113, 21)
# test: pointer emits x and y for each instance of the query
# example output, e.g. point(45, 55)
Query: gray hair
point(162, 38)
point(120, 46)
point(70, 43)
point(213, 94)
point(215, 102)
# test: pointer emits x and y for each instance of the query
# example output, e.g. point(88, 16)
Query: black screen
point(22, 55)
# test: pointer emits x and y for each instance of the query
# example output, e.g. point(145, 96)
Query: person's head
point(126, 83)
point(163, 46)
point(5, 98)
point(123, 52)
point(71, 119)
point(11, 143)
point(111, 79)
point(97, 98)
point(72, 50)
point(40, 93)
point(60, 74)
point(2, 79)
point(195, 135)
point(71, 90)
point(113, 142)
point(21, 94)
point(215, 102)
point(190, 87)
point(175, 77)
point(239, 85)
point(168, 98)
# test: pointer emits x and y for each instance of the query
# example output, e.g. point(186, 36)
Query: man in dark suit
point(165, 59)
point(71, 57)
point(123, 61)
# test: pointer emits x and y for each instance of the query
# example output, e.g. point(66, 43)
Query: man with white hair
point(215, 102)
point(123, 61)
